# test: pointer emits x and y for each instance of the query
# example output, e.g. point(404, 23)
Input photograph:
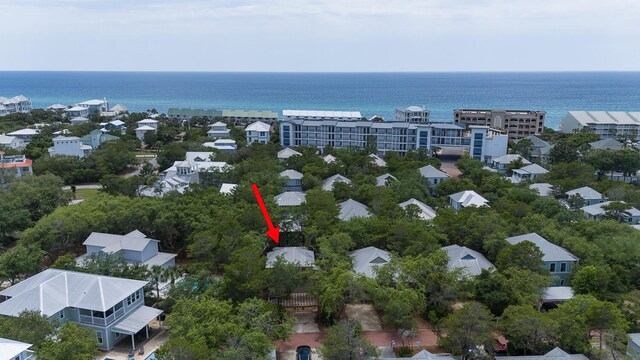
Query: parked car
point(303, 353)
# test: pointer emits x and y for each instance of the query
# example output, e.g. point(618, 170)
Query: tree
point(563, 152)
point(20, 262)
point(527, 329)
point(616, 210)
point(70, 342)
point(29, 326)
point(523, 147)
point(344, 341)
point(466, 328)
point(157, 275)
point(284, 277)
point(523, 255)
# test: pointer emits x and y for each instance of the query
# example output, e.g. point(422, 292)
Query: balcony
point(84, 319)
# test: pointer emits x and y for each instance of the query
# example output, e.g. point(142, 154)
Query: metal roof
point(322, 114)
point(606, 144)
point(24, 132)
point(10, 349)
point(290, 198)
point(291, 254)
point(586, 118)
point(193, 112)
point(378, 160)
point(469, 198)
point(329, 159)
point(350, 209)
point(227, 189)
point(53, 290)
point(597, 209)
point(287, 153)
point(531, 169)
point(258, 126)
point(382, 179)
point(461, 257)
point(426, 211)
point(550, 251)
point(367, 259)
point(264, 114)
point(328, 183)
point(113, 243)
point(507, 159)
point(557, 293)
point(555, 354)
point(291, 174)
point(136, 320)
point(586, 193)
point(431, 172)
point(543, 189)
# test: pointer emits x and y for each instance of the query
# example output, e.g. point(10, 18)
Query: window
point(62, 314)
point(99, 336)
point(552, 268)
point(563, 267)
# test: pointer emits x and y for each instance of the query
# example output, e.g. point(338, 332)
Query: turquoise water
point(369, 93)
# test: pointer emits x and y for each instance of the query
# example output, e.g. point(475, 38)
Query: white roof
point(328, 183)
point(291, 174)
point(378, 160)
point(367, 259)
point(119, 108)
point(469, 198)
point(79, 118)
point(635, 337)
point(52, 290)
point(532, 169)
point(550, 251)
point(544, 189)
point(198, 156)
point(415, 108)
point(111, 243)
point(507, 159)
point(426, 211)
point(557, 293)
point(10, 349)
point(218, 124)
point(291, 254)
point(597, 209)
point(148, 121)
point(586, 193)
point(287, 153)
point(258, 126)
point(555, 354)
point(57, 107)
point(63, 138)
point(145, 128)
point(77, 108)
point(290, 198)
point(382, 179)
point(136, 320)
point(116, 122)
point(228, 189)
point(350, 209)
point(5, 140)
point(329, 159)
point(323, 114)
point(586, 118)
point(431, 172)
point(24, 132)
point(92, 102)
point(471, 261)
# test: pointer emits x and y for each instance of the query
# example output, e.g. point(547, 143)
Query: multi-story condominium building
point(258, 132)
point(413, 114)
point(187, 114)
point(69, 146)
point(15, 164)
point(17, 104)
point(111, 307)
point(321, 115)
point(480, 141)
point(517, 124)
point(606, 124)
point(96, 107)
point(243, 117)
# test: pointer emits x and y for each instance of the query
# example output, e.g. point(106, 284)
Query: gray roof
point(596, 209)
point(136, 320)
point(258, 126)
point(291, 174)
point(227, 188)
point(10, 349)
point(329, 159)
point(351, 208)
point(507, 159)
point(328, 183)
point(461, 257)
point(635, 337)
point(378, 160)
point(586, 193)
point(367, 259)
point(291, 254)
point(53, 290)
point(135, 241)
point(550, 251)
point(544, 189)
point(555, 354)
point(382, 179)
point(532, 169)
point(469, 198)
point(557, 293)
point(431, 172)
point(606, 144)
point(287, 153)
point(426, 211)
point(290, 198)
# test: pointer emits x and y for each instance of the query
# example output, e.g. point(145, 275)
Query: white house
point(466, 198)
point(290, 198)
point(596, 212)
point(143, 129)
point(286, 153)
point(555, 354)
point(77, 111)
point(385, 179)
point(227, 146)
point(69, 146)
point(57, 107)
point(95, 106)
point(587, 194)
point(351, 209)
point(25, 134)
point(294, 180)
point(12, 142)
point(501, 163)
point(78, 120)
point(412, 114)
point(291, 254)
point(218, 130)
point(470, 261)
point(17, 104)
point(258, 132)
point(433, 175)
point(529, 172)
point(329, 182)
point(15, 350)
point(366, 260)
point(148, 122)
point(425, 212)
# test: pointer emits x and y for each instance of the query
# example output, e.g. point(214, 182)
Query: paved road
point(87, 186)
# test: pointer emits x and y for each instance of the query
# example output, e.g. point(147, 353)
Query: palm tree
point(157, 274)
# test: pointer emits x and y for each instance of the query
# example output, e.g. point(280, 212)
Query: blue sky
point(320, 35)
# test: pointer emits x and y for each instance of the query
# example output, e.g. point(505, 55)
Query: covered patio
point(136, 321)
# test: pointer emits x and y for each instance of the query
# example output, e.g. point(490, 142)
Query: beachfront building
point(187, 114)
point(346, 130)
point(17, 104)
point(15, 350)
point(69, 146)
point(258, 132)
point(412, 114)
point(113, 308)
point(517, 124)
point(12, 142)
point(25, 134)
point(218, 130)
point(291, 115)
point(57, 108)
point(606, 124)
point(244, 117)
point(77, 112)
point(95, 106)
point(556, 259)
point(15, 164)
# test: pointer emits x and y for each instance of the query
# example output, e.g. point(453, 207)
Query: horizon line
point(331, 72)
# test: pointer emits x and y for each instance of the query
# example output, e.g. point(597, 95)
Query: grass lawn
point(86, 193)
point(138, 152)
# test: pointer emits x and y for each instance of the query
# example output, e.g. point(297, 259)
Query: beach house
point(258, 132)
point(15, 164)
point(466, 198)
point(69, 146)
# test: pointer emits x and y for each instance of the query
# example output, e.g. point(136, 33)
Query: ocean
point(369, 93)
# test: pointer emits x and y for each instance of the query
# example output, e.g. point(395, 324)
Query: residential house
point(115, 125)
point(633, 347)
point(143, 129)
point(543, 189)
point(219, 130)
point(12, 142)
point(470, 261)
point(3, 111)
point(432, 175)
point(113, 308)
point(77, 111)
point(554, 295)
point(527, 173)
point(597, 212)
point(225, 146)
point(17, 104)
point(556, 259)
point(425, 212)
point(329, 159)
point(96, 107)
point(351, 209)
point(290, 198)
point(15, 350)
point(291, 254)
point(25, 134)
point(79, 120)
point(587, 194)
point(377, 160)
point(329, 182)
point(286, 153)
point(119, 109)
point(294, 180)
point(97, 137)
point(15, 164)
point(57, 107)
point(539, 149)
point(501, 163)
point(384, 180)
point(258, 132)
point(366, 260)
point(69, 146)
point(135, 247)
point(148, 122)
point(413, 115)
point(466, 198)
point(228, 189)
point(555, 354)
point(606, 144)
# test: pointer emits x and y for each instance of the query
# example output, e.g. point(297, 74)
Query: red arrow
point(273, 232)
